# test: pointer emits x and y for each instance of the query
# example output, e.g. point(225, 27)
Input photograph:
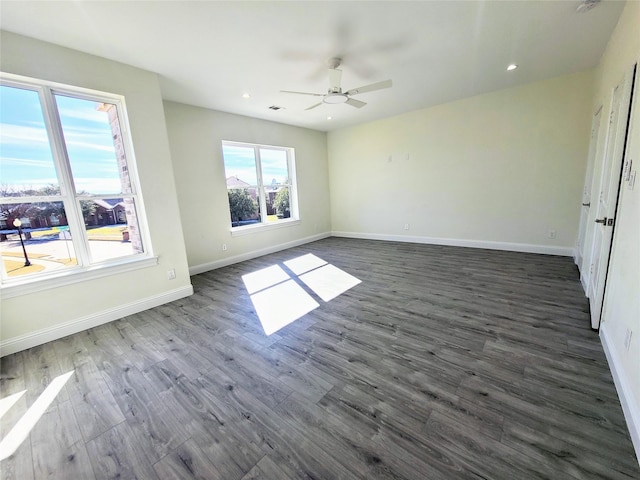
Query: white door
point(581, 248)
point(608, 195)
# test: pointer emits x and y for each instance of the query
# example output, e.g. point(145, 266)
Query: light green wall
point(503, 167)
point(621, 310)
point(196, 136)
point(88, 301)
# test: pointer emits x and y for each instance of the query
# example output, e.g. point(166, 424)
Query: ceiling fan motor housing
point(335, 97)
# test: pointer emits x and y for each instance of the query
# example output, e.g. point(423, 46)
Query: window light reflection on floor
point(264, 278)
point(279, 300)
point(329, 281)
point(303, 264)
point(23, 427)
point(282, 304)
point(7, 402)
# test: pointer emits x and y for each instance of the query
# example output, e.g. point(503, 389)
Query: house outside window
point(67, 174)
point(261, 185)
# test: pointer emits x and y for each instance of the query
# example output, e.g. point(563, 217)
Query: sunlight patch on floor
point(304, 263)
point(261, 279)
point(279, 300)
point(329, 281)
point(23, 427)
point(7, 402)
point(282, 304)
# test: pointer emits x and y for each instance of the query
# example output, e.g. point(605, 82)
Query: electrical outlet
point(224, 247)
point(627, 339)
point(171, 274)
point(552, 234)
point(406, 226)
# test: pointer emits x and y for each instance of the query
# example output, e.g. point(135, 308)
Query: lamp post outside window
point(17, 223)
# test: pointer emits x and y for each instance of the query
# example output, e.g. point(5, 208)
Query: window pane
point(261, 174)
point(278, 204)
point(112, 228)
point(45, 235)
point(26, 161)
point(275, 169)
point(239, 166)
point(243, 206)
point(101, 202)
point(94, 146)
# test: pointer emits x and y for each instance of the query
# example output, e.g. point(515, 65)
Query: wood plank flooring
point(444, 363)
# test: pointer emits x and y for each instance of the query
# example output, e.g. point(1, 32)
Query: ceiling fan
point(335, 94)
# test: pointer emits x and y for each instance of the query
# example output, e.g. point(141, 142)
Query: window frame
point(265, 225)
point(86, 267)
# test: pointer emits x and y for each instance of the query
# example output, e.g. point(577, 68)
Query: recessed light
point(329, 118)
point(511, 67)
point(246, 95)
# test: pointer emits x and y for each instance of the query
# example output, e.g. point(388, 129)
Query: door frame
point(617, 157)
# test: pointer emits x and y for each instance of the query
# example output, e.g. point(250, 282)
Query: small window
point(260, 184)
point(67, 199)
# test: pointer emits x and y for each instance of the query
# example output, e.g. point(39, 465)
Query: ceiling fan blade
point(304, 93)
point(370, 88)
point(335, 79)
point(355, 103)
point(314, 106)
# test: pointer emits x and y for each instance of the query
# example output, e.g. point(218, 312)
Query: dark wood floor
point(443, 363)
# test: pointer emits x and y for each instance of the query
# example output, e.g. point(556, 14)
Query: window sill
point(263, 227)
point(26, 287)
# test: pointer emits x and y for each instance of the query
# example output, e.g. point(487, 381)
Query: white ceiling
point(210, 53)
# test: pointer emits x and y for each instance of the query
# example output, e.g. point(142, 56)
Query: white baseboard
point(630, 405)
point(205, 267)
point(17, 344)
point(585, 284)
point(513, 247)
point(584, 281)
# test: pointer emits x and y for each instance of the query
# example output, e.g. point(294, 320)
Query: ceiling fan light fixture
point(335, 95)
point(335, 98)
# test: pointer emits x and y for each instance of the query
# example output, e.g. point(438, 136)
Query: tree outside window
point(241, 205)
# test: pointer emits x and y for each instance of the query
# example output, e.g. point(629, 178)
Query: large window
point(68, 195)
point(260, 184)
